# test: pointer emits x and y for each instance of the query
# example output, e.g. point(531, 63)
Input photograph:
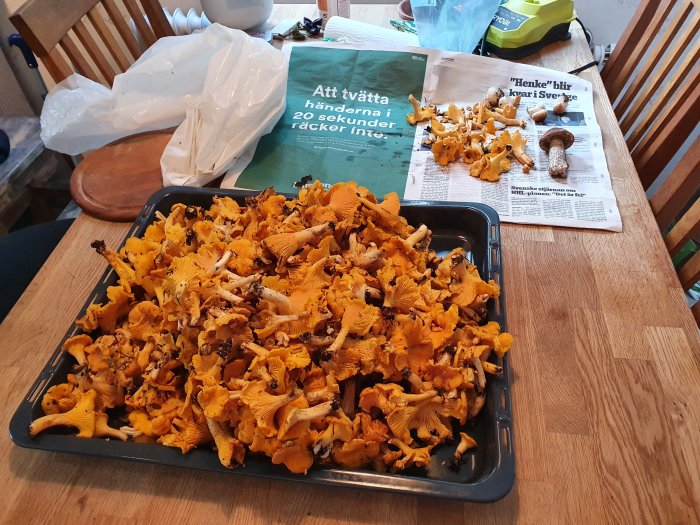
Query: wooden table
point(605, 384)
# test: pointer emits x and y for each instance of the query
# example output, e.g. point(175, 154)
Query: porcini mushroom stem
point(557, 159)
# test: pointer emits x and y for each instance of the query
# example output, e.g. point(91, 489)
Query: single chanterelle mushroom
point(554, 142)
point(561, 105)
point(420, 113)
point(465, 443)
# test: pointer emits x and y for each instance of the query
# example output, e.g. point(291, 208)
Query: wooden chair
point(654, 86)
point(93, 38)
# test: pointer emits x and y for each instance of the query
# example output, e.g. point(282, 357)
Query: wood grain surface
point(605, 385)
point(115, 181)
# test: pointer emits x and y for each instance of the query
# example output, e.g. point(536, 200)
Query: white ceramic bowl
point(238, 14)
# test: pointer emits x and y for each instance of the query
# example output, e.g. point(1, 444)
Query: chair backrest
point(677, 209)
point(91, 37)
point(653, 81)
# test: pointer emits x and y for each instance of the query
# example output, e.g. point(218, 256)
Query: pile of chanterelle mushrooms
point(479, 135)
point(321, 329)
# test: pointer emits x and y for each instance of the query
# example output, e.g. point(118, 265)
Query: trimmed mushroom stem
point(241, 282)
point(492, 369)
point(130, 431)
point(368, 291)
point(281, 301)
point(291, 216)
point(319, 341)
point(228, 273)
point(416, 236)
point(561, 105)
point(319, 396)
point(279, 319)
point(476, 406)
point(413, 398)
point(257, 349)
point(305, 414)
point(538, 113)
point(444, 359)
point(411, 377)
point(102, 429)
point(480, 375)
point(369, 258)
point(557, 159)
point(228, 296)
point(224, 259)
point(340, 339)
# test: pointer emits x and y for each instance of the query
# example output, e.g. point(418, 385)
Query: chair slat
point(678, 188)
point(56, 65)
point(696, 312)
point(667, 100)
point(615, 84)
point(81, 65)
point(39, 25)
point(117, 19)
point(669, 132)
point(687, 226)
point(141, 25)
point(690, 272)
point(627, 42)
point(83, 34)
point(645, 70)
point(661, 77)
point(156, 17)
point(107, 37)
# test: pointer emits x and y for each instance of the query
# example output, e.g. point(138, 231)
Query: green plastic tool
point(522, 27)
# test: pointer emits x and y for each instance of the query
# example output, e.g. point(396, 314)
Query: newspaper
point(345, 120)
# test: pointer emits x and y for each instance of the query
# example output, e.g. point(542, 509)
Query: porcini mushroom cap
point(556, 133)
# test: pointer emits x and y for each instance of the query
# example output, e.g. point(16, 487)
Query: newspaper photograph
point(346, 120)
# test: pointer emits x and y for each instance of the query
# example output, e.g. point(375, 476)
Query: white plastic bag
point(243, 98)
point(154, 93)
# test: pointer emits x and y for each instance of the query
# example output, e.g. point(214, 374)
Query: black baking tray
point(489, 471)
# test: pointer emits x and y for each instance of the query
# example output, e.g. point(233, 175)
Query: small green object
point(685, 253)
point(522, 27)
point(299, 34)
point(405, 26)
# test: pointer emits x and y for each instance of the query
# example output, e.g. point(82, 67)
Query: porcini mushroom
point(554, 143)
